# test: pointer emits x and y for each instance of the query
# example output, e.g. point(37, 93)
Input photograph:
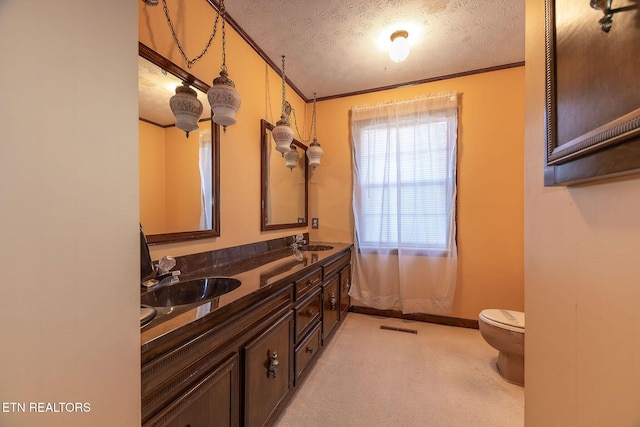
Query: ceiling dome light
point(399, 49)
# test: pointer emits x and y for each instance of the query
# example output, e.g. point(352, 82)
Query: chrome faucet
point(298, 241)
point(164, 276)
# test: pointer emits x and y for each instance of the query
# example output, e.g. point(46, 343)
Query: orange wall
point(170, 198)
point(152, 178)
point(260, 88)
point(183, 199)
point(490, 168)
point(490, 183)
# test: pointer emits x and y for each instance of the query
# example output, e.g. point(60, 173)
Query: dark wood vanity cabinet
point(241, 366)
point(208, 378)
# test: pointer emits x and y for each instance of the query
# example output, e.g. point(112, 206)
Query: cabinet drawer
point(307, 313)
point(306, 351)
point(335, 266)
point(307, 283)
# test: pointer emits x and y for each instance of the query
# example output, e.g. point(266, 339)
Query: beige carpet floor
point(441, 376)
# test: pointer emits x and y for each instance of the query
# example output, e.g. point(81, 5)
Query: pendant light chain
point(313, 118)
point(223, 12)
point(284, 114)
point(313, 122)
point(191, 62)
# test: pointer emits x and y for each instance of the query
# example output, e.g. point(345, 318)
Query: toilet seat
point(506, 319)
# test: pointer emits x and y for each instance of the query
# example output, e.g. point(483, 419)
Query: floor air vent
point(392, 328)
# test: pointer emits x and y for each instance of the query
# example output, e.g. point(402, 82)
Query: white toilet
point(504, 331)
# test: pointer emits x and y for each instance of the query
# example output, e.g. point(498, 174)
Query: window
point(404, 194)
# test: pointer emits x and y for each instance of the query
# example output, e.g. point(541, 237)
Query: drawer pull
point(309, 350)
point(310, 313)
point(312, 282)
point(333, 300)
point(273, 365)
point(347, 285)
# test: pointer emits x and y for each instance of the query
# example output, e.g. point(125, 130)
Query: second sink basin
point(193, 291)
point(315, 248)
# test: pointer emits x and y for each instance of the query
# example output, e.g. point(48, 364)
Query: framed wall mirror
point(284, 190)
point(179, 175)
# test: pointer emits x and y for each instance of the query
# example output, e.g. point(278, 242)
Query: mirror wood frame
point(264, 181)
point(162, 62)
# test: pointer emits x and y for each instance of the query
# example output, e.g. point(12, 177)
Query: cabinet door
point(345, 285)
point(213, 401)
point(330, 307)
point(268, 371)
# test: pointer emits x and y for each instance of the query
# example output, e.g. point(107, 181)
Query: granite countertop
point(258, 274)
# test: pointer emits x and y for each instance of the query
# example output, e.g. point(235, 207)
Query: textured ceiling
point(337, 47)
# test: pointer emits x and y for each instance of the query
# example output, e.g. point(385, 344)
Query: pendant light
point(223, 96)
point(291, 157)
point(315, 151)
point(186, 107)
point(282, 133)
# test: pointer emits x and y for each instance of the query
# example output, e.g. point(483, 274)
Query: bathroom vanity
point(236, 359)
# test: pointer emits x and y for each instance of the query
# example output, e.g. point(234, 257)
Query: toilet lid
point(507, 319)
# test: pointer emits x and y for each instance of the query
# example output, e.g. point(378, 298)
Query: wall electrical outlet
point(314, 223)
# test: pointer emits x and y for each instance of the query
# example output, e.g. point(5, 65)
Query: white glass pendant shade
point(291, 157)
point(314, 153)
point(282, 135)
point(399, 49)
point(224, 100)
point(186, 107)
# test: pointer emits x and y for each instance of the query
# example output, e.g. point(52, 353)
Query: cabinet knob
point(333, 300)
point(347, 285)
point(274, 364)
point(309, 350)
point(310, 313)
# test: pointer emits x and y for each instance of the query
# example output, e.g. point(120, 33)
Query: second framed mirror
point(284, 184)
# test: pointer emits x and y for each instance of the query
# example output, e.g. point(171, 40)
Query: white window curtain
point(404, 203)
point(206, 181)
